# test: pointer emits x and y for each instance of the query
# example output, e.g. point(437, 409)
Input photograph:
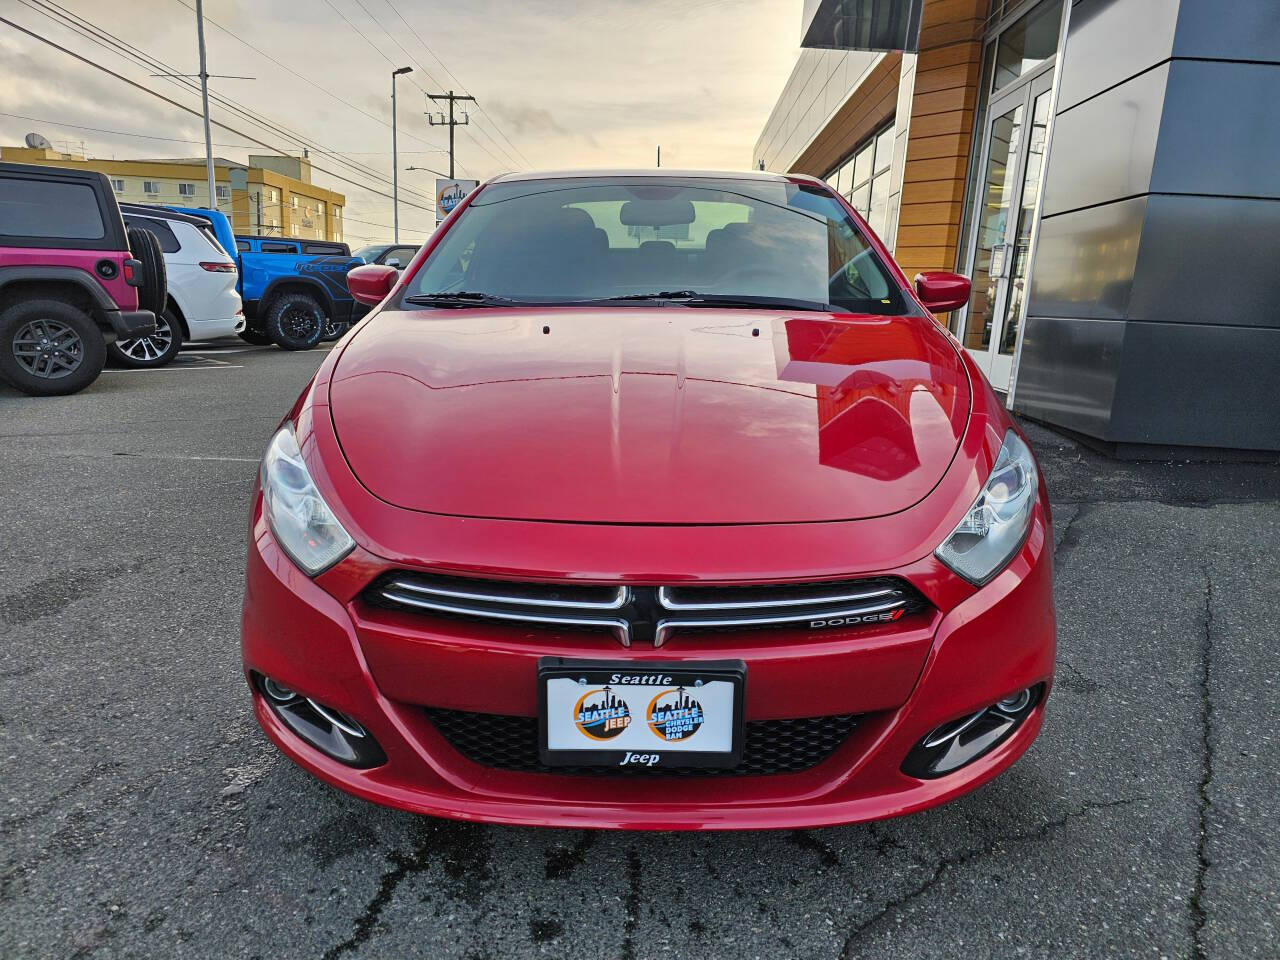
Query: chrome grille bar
point(500, 593)
point(859, 611)
point(620, 627)
point(668, 600)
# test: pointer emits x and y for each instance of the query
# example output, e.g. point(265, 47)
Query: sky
point(592, 83)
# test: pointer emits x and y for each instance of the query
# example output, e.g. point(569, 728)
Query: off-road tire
point(295, 321)
point(153, 351)
point(49, 348)
point(153, 294)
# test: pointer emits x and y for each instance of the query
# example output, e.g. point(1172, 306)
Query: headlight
point(302, 522)
point(995, 526)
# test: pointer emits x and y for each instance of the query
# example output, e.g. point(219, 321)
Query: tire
point(295, 321)
point(257, 338)
point(50, 348)
point(153, 351)
point(153, 294)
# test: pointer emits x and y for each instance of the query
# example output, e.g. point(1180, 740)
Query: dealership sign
point(450, 193)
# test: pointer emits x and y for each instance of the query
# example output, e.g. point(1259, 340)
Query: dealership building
point(1105, 171)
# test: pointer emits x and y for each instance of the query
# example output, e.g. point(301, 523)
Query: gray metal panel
point(1229, 29)
point(1198, 386)
point(1209, 260)
point(1104, 149)
point(1220, 131)
point(1085, 261)
point(1068, 370)
point(1110, 41)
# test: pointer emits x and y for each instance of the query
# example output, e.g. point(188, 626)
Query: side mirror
point(394, 262)
point(941, 292)
point(371, 283)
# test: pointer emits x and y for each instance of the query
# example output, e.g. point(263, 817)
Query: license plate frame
point(667, 674)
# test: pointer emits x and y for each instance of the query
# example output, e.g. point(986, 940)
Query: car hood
point(654, 415)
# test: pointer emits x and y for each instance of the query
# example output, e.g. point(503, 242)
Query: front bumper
point(382, 670)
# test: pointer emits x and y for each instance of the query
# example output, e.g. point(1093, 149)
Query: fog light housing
point(959, 742)
point(330, 731)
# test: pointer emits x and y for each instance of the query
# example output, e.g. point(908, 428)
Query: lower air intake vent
point(769, 746)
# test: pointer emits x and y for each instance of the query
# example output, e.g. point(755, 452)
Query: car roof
point(161, 213)
point(663, 173)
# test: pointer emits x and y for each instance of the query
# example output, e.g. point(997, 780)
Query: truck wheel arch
point(297, 284)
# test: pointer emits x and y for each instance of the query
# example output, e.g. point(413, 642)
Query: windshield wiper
point(462, 298)
point(691, 298)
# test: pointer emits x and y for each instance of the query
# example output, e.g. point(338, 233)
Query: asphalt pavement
point(144, 814)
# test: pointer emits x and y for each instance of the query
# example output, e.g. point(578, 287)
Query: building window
point(294, 228)
point(293, 202)
point(863, 178)
point(151, 187)
point(117, 185)
point(186, 189)
point(273, 195)
point(337, 213)
point(223, 191)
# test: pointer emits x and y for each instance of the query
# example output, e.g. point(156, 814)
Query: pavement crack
point(562, 861)
point(402, 866)
point(1198, 914)
point(807, 841)
point(949, 864)
point(1071, 534)
point(77, 785)
point(632, 904)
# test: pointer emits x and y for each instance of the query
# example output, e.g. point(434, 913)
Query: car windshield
point(629, 239)
point(370, 253)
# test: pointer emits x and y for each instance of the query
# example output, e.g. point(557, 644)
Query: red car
point(651, 500)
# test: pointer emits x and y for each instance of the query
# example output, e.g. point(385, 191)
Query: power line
point(378, 50)
point(307, 80)
point(109, 41)
point(479, 106)
point(104, 38)
point(181, 106)
point(415, 61)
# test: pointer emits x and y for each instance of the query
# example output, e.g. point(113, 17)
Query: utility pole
point(395, 161)
point(450, 123)
point(204, 98)
point(659, 154)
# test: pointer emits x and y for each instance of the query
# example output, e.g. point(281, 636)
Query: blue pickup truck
point(294, 291)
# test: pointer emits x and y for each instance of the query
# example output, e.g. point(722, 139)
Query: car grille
point(769, 746)
point(651, 614)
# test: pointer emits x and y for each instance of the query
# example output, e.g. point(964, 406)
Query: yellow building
point(269, 196)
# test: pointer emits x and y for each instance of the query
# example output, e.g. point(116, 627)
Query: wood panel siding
point(941, 132)
point(867, 109)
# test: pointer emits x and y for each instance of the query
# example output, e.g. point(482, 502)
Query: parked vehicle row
point(84, 279)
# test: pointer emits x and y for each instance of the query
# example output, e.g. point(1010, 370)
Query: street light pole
point(204, 97)
point(395, 160)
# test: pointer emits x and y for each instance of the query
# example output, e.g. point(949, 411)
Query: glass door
point(1012, 167)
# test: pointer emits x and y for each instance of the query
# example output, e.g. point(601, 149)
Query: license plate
point(637, 714)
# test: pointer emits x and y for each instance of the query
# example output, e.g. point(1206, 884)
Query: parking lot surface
point(144, 814)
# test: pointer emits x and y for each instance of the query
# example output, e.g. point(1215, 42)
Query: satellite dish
point(37, 142)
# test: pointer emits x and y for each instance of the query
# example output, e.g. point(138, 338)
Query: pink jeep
point(71, 280)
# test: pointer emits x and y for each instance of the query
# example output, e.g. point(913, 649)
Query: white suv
point(203, 303)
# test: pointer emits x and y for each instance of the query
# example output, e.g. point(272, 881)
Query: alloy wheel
point(49, 349)
point(149, 348)
point(299, 323)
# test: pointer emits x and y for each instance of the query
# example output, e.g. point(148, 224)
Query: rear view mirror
point(393, 262)
point(370, 283)
point(941, 292)
point(656, 213)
